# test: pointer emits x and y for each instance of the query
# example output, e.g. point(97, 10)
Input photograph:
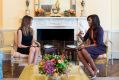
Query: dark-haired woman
point(97, 47)
point(25, 41)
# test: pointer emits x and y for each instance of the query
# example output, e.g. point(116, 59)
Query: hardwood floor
point(113, 70)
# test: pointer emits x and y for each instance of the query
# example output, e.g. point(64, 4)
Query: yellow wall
point(1, 14)
point(78, 7)
point(102, 8)
point(107, 11)
point(115, 14)
point(14, 10)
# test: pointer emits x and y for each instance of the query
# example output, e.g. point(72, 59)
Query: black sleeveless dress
point(27, 41)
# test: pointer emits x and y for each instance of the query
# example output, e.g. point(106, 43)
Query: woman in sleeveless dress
point(96, 47)
point(26, 45)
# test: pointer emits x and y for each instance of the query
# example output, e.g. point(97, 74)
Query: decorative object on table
point(40, 12)
point(27, 11)
point(83, 7)
point(53, 66)
point(56, 9)
point(70, 13)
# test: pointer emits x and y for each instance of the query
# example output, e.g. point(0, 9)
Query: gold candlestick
point(83, 6)
point(27, 11)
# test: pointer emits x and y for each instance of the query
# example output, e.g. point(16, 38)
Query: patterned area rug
point(98, 78)
point(107, 78)
point(10, 79)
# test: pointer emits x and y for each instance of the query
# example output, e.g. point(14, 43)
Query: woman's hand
point(90, 45)
point(82, 46)
point(93, 45)
point(34, 45)
point(80, 34)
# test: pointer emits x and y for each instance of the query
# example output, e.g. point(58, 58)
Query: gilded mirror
point(55, 8)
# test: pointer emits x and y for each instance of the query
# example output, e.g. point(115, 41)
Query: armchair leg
point(111, 59)
point(106, 71)
point(12, 69)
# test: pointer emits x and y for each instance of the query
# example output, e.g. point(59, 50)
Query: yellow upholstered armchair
point(103, 59)
point(21, 60)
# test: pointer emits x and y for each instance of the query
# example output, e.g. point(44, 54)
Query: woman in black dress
point(96, 47)
point(26, 45)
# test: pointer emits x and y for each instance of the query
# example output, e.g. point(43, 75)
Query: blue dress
point(100, 47)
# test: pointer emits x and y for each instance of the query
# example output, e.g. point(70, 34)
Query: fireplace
point(58, 31)
point(58, 28)
point(55, 34)
point(57, 38)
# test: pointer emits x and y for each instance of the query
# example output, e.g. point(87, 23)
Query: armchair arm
point(106, 42)
point(37, 43)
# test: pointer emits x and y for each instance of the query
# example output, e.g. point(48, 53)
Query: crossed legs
point(33, 55)
point(87, 61)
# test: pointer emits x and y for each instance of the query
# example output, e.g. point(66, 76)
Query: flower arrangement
point(70, 12)
point(40, 12)
point(53, 64)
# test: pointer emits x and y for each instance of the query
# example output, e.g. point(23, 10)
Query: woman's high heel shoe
point(94, 77)
point(97, 71)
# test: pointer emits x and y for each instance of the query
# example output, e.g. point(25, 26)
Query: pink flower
point(71, 11)
point(49, 67)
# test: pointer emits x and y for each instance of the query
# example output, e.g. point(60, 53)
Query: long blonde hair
point(25, 25)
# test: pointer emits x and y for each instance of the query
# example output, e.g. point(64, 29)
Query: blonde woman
point(25, 41)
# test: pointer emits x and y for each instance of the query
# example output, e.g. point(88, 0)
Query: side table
point(71, 53)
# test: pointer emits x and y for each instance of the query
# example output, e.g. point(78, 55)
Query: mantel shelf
point(83, 17)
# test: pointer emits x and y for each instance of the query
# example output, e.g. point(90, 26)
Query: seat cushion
point(6, 49)
point(102, 59)
point(102, 56)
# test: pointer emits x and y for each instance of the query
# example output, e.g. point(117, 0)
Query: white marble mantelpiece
point(75, 23)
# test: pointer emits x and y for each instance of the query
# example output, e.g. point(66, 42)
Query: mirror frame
point(46, 10)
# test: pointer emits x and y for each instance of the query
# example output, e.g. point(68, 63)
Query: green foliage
point(60, 64)
point(69, 13)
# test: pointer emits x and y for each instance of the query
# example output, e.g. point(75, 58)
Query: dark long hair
point(25, 25)
point(95, 20)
